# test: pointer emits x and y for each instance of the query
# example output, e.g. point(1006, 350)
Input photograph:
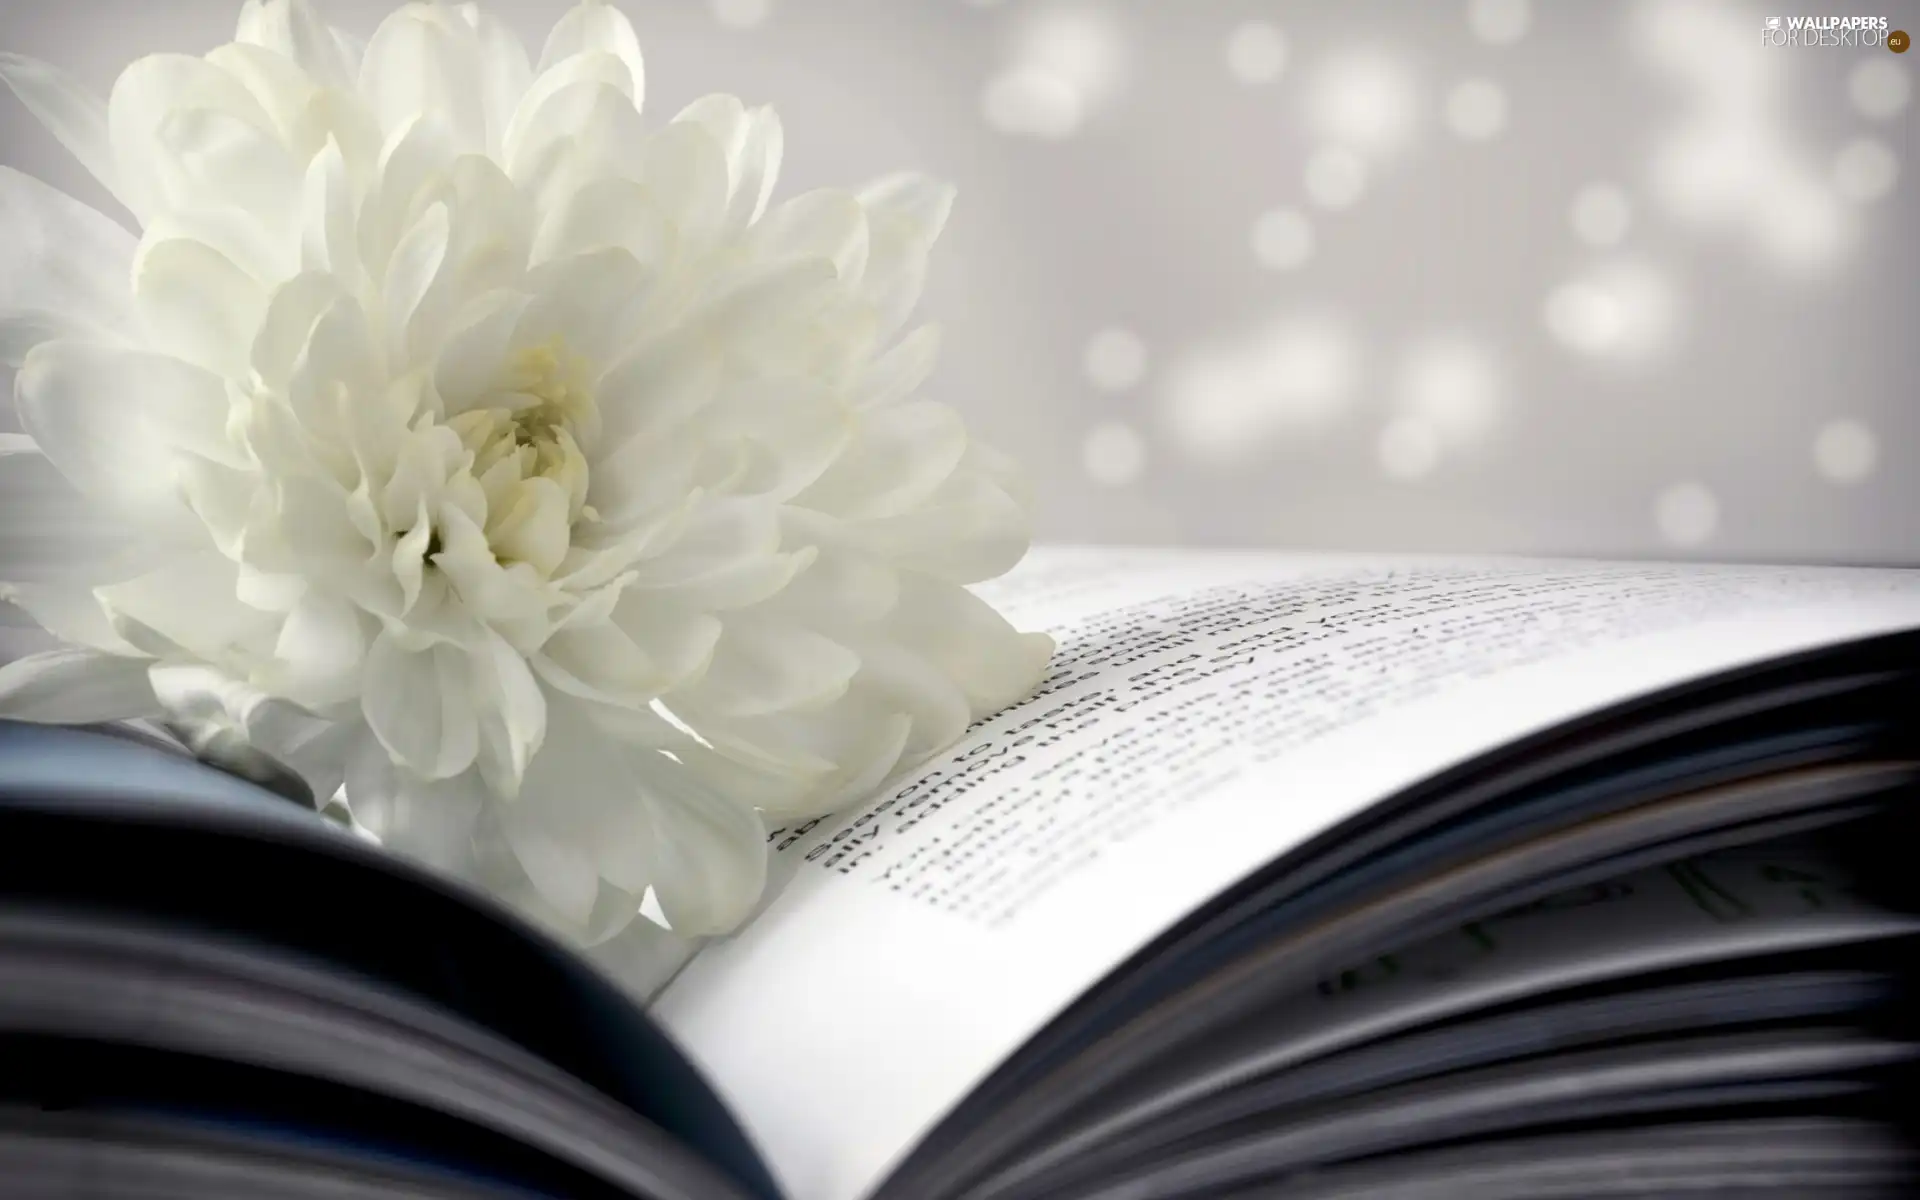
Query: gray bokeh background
point(1568, 277)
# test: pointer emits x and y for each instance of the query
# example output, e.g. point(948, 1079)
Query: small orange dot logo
point(1898, 41)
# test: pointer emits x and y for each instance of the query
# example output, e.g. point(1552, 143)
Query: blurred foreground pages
point(1207, 715)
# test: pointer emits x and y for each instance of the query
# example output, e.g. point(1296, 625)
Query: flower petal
point(900, 455)
point(280, 86)
point(291, 28)
point(969, 530)
point(50, 533)
point(763, 302)
point(473, 360)
point(431, 820)
point(197, 304)
point(337, 390)
point(414, 159)
point(69, 612)
point(599, 662)
point(580, 815)
point(897, 712)
point(842, 590)
point(534, 528)
point(110, 419)
point(190, 603)
point(587, 98)
point(505, 73)
point(513, 722)
point(225, 500)
point(74, 115)
point(315, 749)
point(827, 224)
point(711, 860)
point(291, 313)
point(563, 874)
point(789, 434)
point(561, 871)
point(678, 642)
point(317, 657)
point(418, 62)
point(71, 686)
point(584, 302)
point(905, 214)
point(643, 958)
point(610, 212)
point(416, 262)
point(895, 679)
point(970, 642)
point(761, 667)
point(914, 206)
point(232, 724)
point(63, 269)
point(899, 372)
point(148, 94)
point(744, 772)
point(597, 27)
point(656, 388)
point(261, 252)
point(489, 238)
point(418, 703)
point(727, 556)
point(751, 142)
point(214, 158)
point(685, 171)
point(328, 239)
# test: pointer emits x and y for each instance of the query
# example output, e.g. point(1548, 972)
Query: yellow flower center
point(527, 458)
point(556, 390)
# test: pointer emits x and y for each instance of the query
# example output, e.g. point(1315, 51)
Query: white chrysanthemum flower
point(450, 436)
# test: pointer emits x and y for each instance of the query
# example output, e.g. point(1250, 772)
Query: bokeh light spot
point(1228, 401)
point(1115, 359)
point(1256, 53)
point(1364, 100)
point(1620, 311)
point(1477, 110)
point(1865, 170)
point(1408, 448)
point(1452, 385)
point(741, 14)
point(1068, 64)
point(1879, 87)
point(1029, 102)
point(1113, 454)
point(1336, 178)
point(1499, 22)
point(1845, 451)
point(1687, 514)
point(1601, 214)
point(1283, 239)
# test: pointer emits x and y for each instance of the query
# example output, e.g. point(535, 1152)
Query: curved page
point(93, 823)
point(1685, 1076)
point(1206, 714)
point(1752, 903)
point(1757, 1159)
point(76, 976)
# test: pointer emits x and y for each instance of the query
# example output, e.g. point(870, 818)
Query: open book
point(1298, 877)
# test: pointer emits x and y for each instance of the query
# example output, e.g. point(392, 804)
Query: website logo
point(1840, 32)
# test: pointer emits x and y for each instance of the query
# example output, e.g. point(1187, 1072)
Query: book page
point(1205, 713)
point(1742, 903)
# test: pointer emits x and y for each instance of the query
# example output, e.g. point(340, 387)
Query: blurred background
point(1456, 275)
